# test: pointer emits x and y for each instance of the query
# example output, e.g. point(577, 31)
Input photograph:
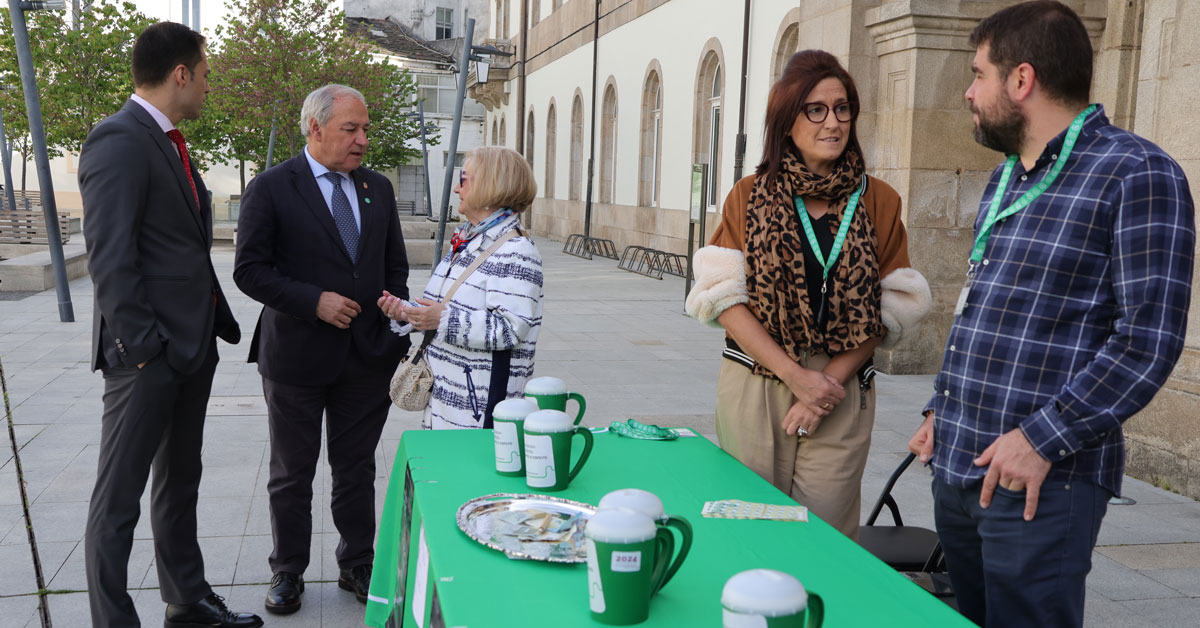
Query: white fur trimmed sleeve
point(720, 283)
point(906, 301)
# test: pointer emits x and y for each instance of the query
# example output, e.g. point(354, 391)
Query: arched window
point(714, 140)
point(706, 143)
point(495, 137)
point(503, 134)
point(575, 183)
point(789, 43)
point(649, 168)
point(551, 149)
point(608, 144)
point(529, 139)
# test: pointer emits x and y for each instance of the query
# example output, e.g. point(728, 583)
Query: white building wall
point(625, 55)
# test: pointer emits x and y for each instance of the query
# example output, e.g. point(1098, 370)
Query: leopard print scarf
point(775, 277)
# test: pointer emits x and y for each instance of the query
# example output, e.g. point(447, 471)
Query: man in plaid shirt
point(1072, 317)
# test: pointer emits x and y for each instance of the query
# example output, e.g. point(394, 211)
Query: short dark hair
point(1047, 35)
point(162, 47)
point(786, 101)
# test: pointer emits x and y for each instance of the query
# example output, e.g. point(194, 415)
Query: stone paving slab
point(1155, 556)
point(619, 338)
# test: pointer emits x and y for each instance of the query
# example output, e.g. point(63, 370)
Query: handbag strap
point(475, 264)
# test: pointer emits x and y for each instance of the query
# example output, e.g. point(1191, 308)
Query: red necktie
point(177, 137)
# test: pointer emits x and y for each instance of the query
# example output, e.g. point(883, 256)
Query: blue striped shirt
point(1077, 312)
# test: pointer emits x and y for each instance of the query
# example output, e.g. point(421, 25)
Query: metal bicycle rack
point(652, 262)
point(584, 246)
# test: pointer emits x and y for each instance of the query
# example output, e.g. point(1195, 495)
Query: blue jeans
point(1010, 572)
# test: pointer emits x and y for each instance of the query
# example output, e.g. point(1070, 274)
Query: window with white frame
point(651, 145)
point(438, 92)
point(551, 150)
point(707, 123)
point(443, 23)
point(608, 146)
point(714, 136)
point(529, 139)
point(575, 182)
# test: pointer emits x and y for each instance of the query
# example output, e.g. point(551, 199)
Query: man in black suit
point(158, 311)
point(318, 242)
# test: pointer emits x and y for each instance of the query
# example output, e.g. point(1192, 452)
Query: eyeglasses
point(462, 177)
point(817, 112)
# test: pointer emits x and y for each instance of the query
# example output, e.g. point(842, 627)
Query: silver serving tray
point(477, 519)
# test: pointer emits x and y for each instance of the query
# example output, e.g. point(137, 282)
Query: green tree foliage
point(267, 58)
point(82, 75)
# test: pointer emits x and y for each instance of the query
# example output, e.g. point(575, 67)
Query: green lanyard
point(994, 214)
point(836, 249)
point(641, 431)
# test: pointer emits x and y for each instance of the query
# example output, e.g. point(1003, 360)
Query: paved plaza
point(619, 338)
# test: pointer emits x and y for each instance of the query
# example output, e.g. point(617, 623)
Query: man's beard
point(1004, 130)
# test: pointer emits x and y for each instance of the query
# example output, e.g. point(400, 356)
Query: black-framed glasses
point(462, 177)
point(816, 112)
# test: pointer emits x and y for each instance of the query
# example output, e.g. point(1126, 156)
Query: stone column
point(923, 146)
point(1164, 440)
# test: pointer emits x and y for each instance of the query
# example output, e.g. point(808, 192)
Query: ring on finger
point(827, 405)
point(801, 431)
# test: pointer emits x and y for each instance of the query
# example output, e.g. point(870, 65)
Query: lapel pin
point(368, 199)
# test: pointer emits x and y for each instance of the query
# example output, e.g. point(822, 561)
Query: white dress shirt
point(326, 187)
point(159, 117)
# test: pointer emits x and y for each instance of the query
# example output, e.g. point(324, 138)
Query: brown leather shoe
point(210, 612)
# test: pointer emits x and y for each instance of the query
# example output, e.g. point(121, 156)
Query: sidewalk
point(619, 338)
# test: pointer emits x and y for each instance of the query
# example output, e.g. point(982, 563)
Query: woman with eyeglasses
point(482, 349)
point(808, 273)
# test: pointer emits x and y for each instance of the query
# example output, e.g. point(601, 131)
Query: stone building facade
point(664, 88)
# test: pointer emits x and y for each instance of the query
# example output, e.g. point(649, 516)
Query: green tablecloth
point(478, 587)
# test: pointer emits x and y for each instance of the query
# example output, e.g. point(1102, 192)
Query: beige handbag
point(413, 382)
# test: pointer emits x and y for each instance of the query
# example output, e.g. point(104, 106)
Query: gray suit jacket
point(148, 248)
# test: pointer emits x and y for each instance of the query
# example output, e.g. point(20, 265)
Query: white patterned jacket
point(498, 307)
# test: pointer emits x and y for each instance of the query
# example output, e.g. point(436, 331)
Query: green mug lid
point(620, 525)
point(514, 409)
point(545, 386)
point(764, 592)
point(549, 421)
point(644, 502)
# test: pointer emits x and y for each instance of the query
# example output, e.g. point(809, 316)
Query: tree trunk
point(242, 175)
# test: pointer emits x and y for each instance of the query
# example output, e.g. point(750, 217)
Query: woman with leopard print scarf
point(794, 401)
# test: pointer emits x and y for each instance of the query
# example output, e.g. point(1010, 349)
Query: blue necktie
point(343, 217)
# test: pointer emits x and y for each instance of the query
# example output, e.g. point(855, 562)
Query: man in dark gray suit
point(318, 242)
point(158, 311)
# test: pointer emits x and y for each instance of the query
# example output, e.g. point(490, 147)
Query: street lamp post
point(468, 55)
point(425, 129)
point(425, 158)
point(37, 130)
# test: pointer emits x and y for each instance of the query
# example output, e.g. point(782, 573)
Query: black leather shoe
point(210, 612)
point(356, 579)
point(283, 597)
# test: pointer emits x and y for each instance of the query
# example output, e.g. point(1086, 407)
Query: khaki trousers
point(822, 471)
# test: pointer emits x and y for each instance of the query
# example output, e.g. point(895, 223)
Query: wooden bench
point(29, 227)
point(25, 200)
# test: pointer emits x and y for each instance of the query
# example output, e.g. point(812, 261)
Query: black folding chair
point(912, 550)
